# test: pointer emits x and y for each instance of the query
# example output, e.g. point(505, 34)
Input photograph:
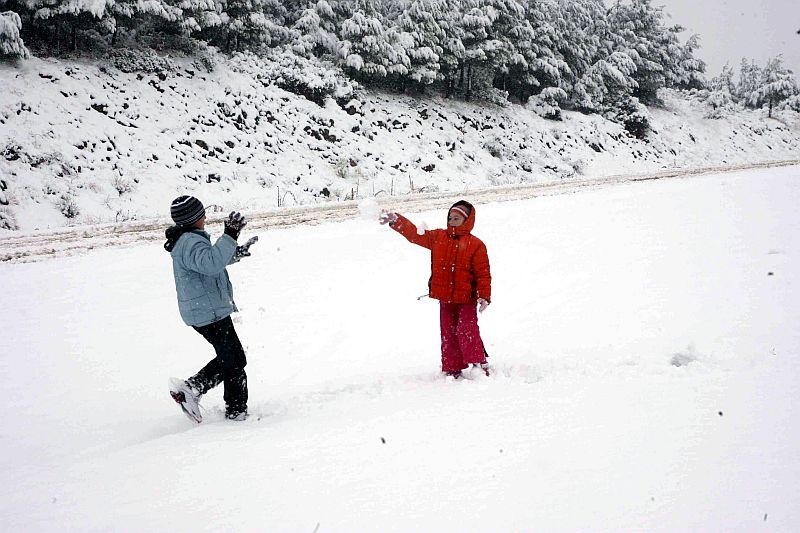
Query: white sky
point(732, 29)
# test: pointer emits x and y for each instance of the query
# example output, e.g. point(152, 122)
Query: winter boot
point(455, 374)
point(237, 417)
point(185, 396)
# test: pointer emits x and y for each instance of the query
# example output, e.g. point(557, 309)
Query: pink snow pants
point(461, 338)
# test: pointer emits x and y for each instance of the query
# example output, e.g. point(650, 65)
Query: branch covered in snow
point(11, 45)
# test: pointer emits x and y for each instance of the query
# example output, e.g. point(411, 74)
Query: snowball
point(368, 209)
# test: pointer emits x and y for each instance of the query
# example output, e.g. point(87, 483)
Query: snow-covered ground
point(82, 143)
point(646, 363)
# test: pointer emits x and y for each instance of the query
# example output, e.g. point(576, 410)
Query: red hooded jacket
point(459, 261)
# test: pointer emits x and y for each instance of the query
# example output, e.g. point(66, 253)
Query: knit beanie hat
point(186, 210)
point(463, 207)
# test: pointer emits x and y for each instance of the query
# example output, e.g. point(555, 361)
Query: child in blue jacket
point(205, 302)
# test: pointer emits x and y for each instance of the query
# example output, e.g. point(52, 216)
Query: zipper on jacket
point(453, 271)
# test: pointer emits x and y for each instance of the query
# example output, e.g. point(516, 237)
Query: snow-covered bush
point(11, 151)
point(7, 219)
point(68, 205)
point(144, 60)
point(629, 112)
point(122, 185)
point(546, 103)
point(496, 147)
point(793, 103)
point(721, 103)
point(11, 45)
point(206, 59)
point(309, 77)
point(494, 96)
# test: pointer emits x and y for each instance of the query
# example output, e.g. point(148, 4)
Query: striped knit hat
point(463, 207)
point(186, 210)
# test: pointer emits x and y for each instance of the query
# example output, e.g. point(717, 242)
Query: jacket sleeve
point(200, 256)
point(407, 229)
point(483, 274)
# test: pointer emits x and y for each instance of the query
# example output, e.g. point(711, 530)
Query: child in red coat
point(460, 280)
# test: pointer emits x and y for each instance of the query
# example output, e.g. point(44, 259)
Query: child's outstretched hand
point(244, 249)
point(482, 305)
point(386, 217)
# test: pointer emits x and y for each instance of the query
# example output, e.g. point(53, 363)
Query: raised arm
point(200, 256)
point(407, 229)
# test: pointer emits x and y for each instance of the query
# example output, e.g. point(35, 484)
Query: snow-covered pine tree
point(661, 60)
point(687, 71)
point(62, 24)
point(582, 32)
point(516, 73)
point(200, 16)
point(513, 33)
point(138, 16)
point(777, 84)
point(252, 23)
point(749, 81)
point(723, 82)
point(597, 74)
point(453, 50)
point(11, 45)
point(605, 82)
point(419, 20)
point(640, 33)
point(539, 65)
point(721, 95)
point(369, 54)
point(479, 47)
point(317, 32)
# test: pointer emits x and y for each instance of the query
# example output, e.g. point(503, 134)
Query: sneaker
point(237, 417)
point(185, 396)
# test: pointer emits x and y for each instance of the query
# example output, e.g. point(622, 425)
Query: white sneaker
point(187, 398)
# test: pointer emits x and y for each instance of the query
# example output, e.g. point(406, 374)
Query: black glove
point(234, 224)
point(244, 250)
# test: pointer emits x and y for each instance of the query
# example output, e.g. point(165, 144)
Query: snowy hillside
point(81, 144)
point(646, 364)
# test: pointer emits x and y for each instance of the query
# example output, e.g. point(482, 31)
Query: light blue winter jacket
point(205, 293)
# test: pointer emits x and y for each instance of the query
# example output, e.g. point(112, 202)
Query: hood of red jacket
point(465, 228)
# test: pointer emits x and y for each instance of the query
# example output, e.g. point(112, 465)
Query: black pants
point(227, 367)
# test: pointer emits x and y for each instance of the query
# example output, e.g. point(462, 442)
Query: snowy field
point(644, 339)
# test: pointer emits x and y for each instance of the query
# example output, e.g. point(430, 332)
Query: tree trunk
point(770, 108)
point(469, 83)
